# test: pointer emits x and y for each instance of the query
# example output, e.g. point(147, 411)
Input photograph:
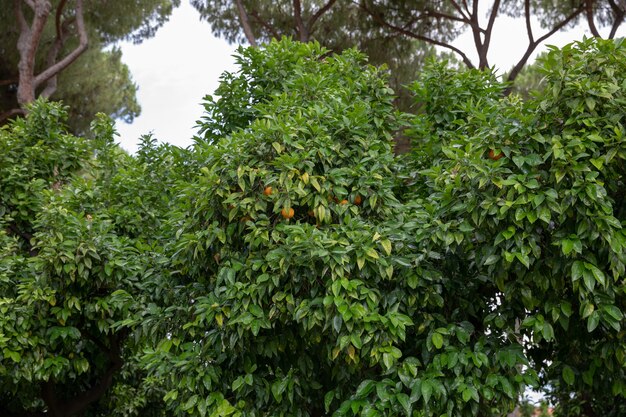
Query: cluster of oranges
point(288, 213)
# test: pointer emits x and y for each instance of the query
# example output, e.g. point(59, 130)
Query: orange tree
point(78, 250)
point(350, 306)
point(539, 230)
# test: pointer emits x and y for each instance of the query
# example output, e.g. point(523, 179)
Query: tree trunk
point(29, 42)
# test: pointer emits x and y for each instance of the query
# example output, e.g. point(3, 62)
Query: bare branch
point(55, 48)
point(492, 18)
point(265, 24)
point(439, 15)
point(11, 113)
point(57, 17)
point(529, 27)
point(8, 81)
point(245, 23)
point(459, 9)
point(378, 19)
point(533, 45)
point(72, 56)
point(619, 13)
point(590, 20)
point(319, 13)
point(467, 10)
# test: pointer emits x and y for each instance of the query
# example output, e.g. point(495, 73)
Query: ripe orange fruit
point(268, 190)
point(287, 213)
point(342, 202)
point(493, 156)
point(358, 200)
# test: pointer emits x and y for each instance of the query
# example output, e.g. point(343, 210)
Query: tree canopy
point(289, 264)
point(46, 46)
point(397, 32)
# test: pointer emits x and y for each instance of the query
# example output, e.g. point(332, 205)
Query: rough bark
point(29, 43)
point(302, 31)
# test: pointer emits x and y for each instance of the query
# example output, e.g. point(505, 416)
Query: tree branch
point(72, 56)
point(55, 49)
point(319, 13)
point(529, 27)
point(590, 20)
point(266, 25)
point(8, 81)
point(378, 19)
point(57, 17)
point(245, 23)
point(492, 19)
point(619, 13)
point(10, 113)
point(459, 9)
point(533, 45)
point(42, 11)
point(80, 403)
point(467, 10)
point(439, 15)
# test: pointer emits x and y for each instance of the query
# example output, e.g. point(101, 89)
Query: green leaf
point(328, 399)
point(568, 375)
point(437, 340)
point(567, 246)
point(405, 402)
point(225, 409)
point(492, 259)
point(613, 311)
point(578, 269)
point(597, 274)
point(315, 184)
point(597, 162)
point(277, 389)
point(592, 321)
point(337, 322)
point(365, 388)
point(589, 279)
point(237, 383)
point(427, 390)
point(190, 403)
point(386, 243)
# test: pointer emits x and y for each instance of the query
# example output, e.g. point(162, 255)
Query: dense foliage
point(289, 264)
point(79, 233)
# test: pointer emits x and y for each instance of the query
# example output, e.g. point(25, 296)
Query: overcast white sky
point(183, 62)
